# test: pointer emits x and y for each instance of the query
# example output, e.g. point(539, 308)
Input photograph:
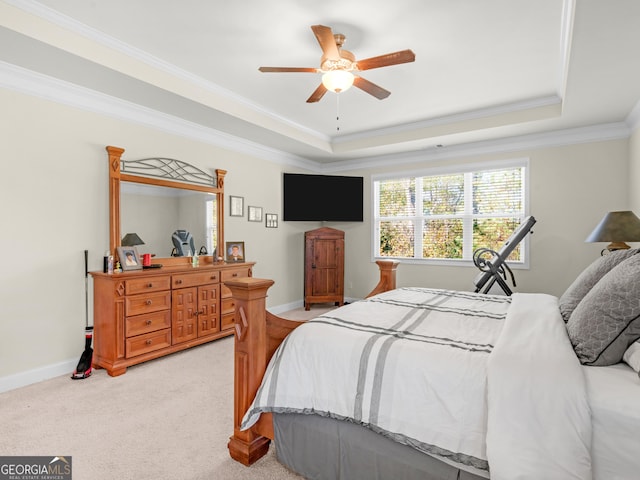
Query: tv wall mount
point(493, 266)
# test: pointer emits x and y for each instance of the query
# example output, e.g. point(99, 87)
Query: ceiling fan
point(340, 68)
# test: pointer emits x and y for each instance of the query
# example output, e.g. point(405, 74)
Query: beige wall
point(634, 171)
point(54, 205)
point(571, 188)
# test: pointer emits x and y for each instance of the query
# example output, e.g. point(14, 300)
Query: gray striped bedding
point(420, 366)
point(404, 363)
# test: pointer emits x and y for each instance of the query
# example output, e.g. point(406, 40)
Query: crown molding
point(493, 111)
point(38, 85)
point(335, 144)
point(566, 36)
point(633, 119)
point(63, 21)
point(556, 138)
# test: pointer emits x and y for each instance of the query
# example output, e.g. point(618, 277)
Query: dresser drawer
point(234, 273)
point(227, 321)
point(148, 342)
point(231, 275)
point(146, 323)
point(228, 305)
point(148, 303)
point(184, 280)
point(146, 285)
point(228, 311)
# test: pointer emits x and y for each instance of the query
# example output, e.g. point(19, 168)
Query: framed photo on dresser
point(235, 252)
point(129, 258)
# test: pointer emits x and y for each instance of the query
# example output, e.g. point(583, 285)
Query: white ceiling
point(484, 69)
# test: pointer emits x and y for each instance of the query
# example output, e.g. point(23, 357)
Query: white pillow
point(632, 356)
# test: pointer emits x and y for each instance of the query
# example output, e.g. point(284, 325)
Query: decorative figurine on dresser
point(179, 301)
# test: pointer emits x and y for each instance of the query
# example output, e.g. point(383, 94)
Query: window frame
point(447, 170)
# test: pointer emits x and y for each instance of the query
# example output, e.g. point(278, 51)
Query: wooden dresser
point(145, 314)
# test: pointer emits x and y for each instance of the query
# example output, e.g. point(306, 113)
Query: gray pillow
point(607, 320)
point(588, 278)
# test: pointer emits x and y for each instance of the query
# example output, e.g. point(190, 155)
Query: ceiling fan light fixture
point(337, 80)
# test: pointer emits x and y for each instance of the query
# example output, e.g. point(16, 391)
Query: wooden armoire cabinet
point(323, 266)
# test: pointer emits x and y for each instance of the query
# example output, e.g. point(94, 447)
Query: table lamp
point(131, 240)
point(617, 228)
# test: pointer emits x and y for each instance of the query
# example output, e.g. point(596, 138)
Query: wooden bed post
point(251, 360)
point(387, 277)
point(257, 336)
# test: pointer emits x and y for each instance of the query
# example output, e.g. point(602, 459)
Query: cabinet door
point(208, 312)
point(183, 314)
point(327, 267)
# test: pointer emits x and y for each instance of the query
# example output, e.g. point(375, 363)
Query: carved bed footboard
point(257, 335)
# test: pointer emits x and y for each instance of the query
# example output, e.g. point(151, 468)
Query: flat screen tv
point(328, 198)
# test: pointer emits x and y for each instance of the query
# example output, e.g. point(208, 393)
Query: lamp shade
point(617, 228)
point(131, 240)
point(337, 80)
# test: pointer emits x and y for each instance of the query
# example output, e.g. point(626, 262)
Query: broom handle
point(86, 289)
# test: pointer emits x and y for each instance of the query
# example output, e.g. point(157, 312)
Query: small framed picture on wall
point(255, 214)
point(236, 206)
point(271, 220)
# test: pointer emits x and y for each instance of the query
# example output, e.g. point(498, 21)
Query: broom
point(84, 368)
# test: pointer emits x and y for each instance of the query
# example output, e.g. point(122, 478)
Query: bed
point(439, 384)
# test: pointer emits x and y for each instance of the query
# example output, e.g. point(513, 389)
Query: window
point(447, 215)
point(211, 228)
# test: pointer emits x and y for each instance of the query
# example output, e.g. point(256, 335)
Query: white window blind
point(211, 227)
point(447, 216)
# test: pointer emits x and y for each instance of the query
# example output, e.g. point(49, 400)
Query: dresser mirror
point(155, 198)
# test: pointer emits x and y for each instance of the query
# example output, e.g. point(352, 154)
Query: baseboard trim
point(22, 379)
point(277, 310)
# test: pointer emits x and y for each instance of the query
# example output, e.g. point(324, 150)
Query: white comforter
point(539, 418)
point(420, 366)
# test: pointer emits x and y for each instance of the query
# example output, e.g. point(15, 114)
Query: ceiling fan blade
point(403, 56)
point(327, 42)
point(317, 94)
point(288, 69)
point(371, 88)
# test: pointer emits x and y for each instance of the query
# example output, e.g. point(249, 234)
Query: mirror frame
point(116, 176)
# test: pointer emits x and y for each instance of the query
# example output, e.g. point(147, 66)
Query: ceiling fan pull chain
point(337, 112)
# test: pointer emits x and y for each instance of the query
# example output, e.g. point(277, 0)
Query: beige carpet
point(169, 418)
point(314, 311)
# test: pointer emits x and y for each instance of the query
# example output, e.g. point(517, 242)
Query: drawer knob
point(148, 302)
point(178, 282)
point(149, 322)
point(148, 342)
point(150, 285)
point(234, 275)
